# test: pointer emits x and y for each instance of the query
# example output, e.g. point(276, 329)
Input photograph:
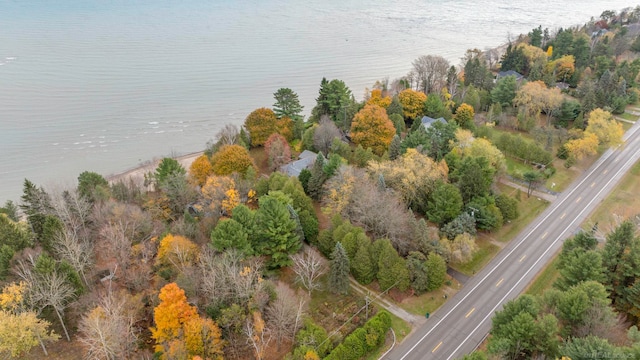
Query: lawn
point(486, 251)
point(528, 207)
point(429, 302)
point(622, 202)
point(545, 279)
point(628, 116)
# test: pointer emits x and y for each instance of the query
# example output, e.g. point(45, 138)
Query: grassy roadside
point(623, 202)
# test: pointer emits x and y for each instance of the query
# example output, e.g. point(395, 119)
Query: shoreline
point(137, 173)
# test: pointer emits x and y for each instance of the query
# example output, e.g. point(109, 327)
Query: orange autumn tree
point(260, 124)
point(231, 159)
point(200, 169)
point(180, 330)
point(372, 129)
point(412, 103)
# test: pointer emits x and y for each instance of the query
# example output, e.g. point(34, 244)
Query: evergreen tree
point(445, 204)
point(361, 267)
point(436, 271)
point(392, 270)
point(36, 205)
point(317, 179)
point(395, 148)
point(395, 108)
point(434, 107)
point(287, 104)
point(621, 260)
point(418, 271)
point(339, 274)
point(230, 234)
point(277, 235)
point(505, 91)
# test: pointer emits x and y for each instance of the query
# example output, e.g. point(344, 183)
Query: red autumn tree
point(278, 151)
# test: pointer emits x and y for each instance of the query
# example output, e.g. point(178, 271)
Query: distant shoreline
point(137, 173)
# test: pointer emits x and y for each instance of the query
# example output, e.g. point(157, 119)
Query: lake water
point(105, 85)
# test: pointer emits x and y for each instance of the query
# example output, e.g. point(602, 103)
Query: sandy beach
point(137, 173)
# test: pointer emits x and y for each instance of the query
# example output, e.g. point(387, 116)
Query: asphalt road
point(463, 322)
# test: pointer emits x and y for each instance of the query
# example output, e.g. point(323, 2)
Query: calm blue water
point(104, 85)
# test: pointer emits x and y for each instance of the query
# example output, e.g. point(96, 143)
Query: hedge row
point(364, 339)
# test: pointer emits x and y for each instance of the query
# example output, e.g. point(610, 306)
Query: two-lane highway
point(464, 321)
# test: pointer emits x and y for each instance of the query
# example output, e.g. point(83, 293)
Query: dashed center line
point(605, 172)
point(470, 312)
point(545, 235)
point(436, 348)
point(563, 215)
point(499, 282)
point(580, 198)
point(593, 184)
point(522, 258)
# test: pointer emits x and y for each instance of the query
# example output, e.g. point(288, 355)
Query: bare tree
point(108, 330)
point(430, 73)
point(258, 335)
point(74, 211)
point(324, 134)
point(284, 314)
point(76, 251)
point(309, 267)
point(49, 289)
point(226, 278)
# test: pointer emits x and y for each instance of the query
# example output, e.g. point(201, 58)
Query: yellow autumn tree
point(311, 355)
point(563, 67)
point(605, 127)
point(177, 250)
point(200, 170)
point(219, 194)
point(377, 99)
point(12, 297)
point(20, 329)
point(467, 145)
point(412, 103)
point(413, 175)
point(533, 53)
point(170, 316)
point(203, 338)
point(231, 159)
point(464, 116)
point(260, 124)
point(587, 145)
point(534, 97)
point(372, 129)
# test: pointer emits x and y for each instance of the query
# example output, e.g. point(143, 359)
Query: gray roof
point(428, 121)
point(305, 154)
point(502, 74)
point(306, 160)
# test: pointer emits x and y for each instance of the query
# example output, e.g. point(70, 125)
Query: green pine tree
point(339, 274)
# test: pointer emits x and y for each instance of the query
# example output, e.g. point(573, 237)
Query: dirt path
point(536, 193)
point(396, 310)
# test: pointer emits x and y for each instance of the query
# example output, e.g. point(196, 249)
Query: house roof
point(428, 121)
point(306, 160)
point(510, 73)
point(305, 154)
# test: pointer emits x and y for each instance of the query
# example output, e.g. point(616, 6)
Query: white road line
point(542, 256)
point(555, 206)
